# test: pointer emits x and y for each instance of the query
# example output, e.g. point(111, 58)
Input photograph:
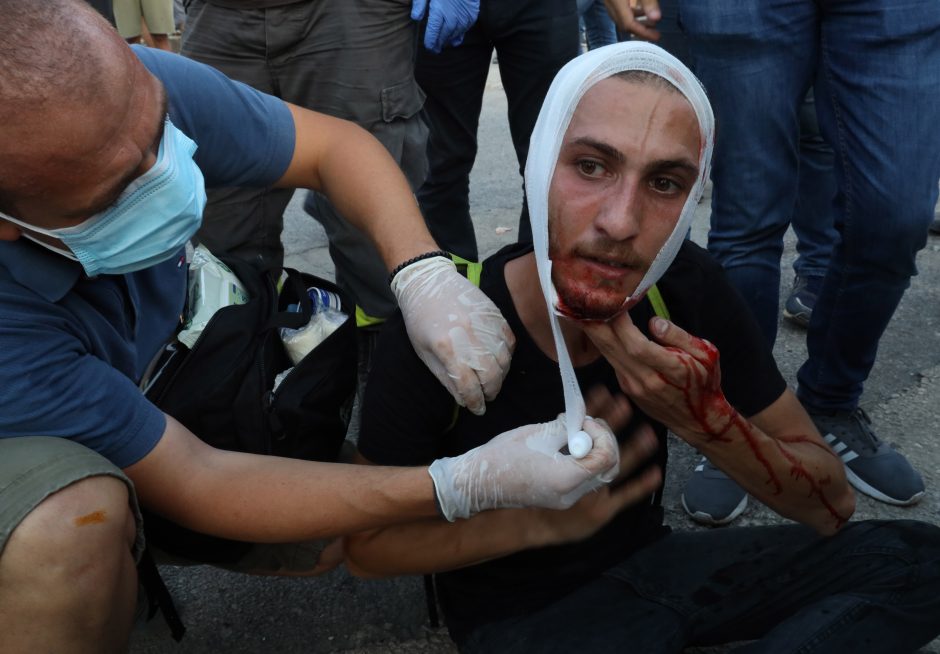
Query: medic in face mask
point(627, 164)
point(151, 220)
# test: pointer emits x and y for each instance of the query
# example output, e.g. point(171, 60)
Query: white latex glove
point(455, 329)
point(524, 467)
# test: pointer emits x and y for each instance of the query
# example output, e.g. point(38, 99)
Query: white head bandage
point(569, 86)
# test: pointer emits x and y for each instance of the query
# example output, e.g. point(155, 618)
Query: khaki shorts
point(157, 13)
point(33, 468)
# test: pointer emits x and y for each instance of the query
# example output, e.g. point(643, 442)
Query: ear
point(9, 231)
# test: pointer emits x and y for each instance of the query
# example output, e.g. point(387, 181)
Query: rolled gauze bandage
point(579, 444)
point(569, 86)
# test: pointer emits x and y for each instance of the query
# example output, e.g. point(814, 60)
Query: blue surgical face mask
point(151, 220)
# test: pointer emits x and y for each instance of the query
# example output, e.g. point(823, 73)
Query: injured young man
point(614, 304)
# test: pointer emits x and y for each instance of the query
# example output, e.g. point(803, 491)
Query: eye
point(665, 185)
point(590, 167)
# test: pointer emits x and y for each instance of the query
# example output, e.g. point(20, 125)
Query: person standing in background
point(533, 39)
point(812, 217)
point(875, 70)
point(599, 29)
point(157, 14)
point(351, 59)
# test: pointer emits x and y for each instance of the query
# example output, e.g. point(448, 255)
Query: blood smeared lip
point(606, 269)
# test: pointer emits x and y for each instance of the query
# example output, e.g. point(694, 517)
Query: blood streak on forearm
point(706, 401)
point(799, 471)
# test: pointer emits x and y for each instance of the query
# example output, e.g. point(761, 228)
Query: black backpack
point(221, 390)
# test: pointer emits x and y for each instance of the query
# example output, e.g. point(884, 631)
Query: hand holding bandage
point(524, 467)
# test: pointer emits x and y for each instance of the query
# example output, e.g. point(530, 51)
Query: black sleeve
point(406, 409)
point(750, 378)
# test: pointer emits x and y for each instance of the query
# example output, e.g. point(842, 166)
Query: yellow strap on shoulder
point(656, 299)
point(363, 319)
point(469, 269)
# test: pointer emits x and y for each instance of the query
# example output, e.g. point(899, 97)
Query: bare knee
point(90, 517)
point(68, 565)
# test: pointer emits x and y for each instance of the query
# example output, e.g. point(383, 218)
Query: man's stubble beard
point(597, 304)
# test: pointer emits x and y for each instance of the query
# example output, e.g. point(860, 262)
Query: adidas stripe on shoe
point(871, 465)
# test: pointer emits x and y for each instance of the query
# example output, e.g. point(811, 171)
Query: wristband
point(420, 257)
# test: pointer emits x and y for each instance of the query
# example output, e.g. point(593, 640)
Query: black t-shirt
point(408, 419)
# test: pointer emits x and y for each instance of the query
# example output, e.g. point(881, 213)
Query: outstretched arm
point(435, 546)
point(777, 455)
point(269, 499)
point(272, 499)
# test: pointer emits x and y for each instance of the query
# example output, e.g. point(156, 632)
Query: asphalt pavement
point(238, 614)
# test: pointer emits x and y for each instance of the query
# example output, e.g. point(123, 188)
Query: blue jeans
point(812, 213)
point(875, 67)
point(671, 37)
point(599, 27)
point(873, 587)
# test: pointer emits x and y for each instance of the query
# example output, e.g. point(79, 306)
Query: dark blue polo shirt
point(72, 348)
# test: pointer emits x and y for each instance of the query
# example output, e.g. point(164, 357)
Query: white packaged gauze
point(212, 285)
point(570, 84)
point(325, 319)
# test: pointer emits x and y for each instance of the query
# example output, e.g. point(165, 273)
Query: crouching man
point(105, 155)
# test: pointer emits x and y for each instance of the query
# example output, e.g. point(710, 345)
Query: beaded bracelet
point(420, 257)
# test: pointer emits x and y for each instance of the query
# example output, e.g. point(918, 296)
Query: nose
point(621, 212)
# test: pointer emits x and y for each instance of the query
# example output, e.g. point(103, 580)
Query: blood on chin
point(586, 312)
point(589, 291)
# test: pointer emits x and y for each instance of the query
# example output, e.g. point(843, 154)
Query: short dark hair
point(47, 59)
point(44, 54)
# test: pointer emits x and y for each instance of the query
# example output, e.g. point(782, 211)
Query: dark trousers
point(873, 587)
point(353, 59)
point(533, 39)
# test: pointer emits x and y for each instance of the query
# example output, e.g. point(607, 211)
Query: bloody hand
point(677, 382)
